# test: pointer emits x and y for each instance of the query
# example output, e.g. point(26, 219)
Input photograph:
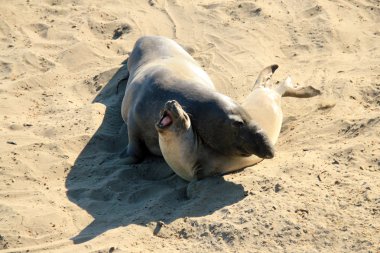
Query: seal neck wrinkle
point(179, 149)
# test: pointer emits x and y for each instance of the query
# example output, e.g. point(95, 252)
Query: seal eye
point(238, 123)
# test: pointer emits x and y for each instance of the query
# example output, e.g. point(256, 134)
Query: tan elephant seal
point(160, 70)
point(184, 150)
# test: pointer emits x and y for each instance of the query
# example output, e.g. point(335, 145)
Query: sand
point(62, 189)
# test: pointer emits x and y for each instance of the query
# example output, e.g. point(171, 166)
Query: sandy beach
point(61, 132)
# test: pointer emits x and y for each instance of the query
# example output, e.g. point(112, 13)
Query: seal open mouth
point(166, 120)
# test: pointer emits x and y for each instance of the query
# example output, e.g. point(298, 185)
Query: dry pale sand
point(61, 130)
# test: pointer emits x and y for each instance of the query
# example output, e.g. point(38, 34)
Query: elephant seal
point(184, 151)
point(160, 70)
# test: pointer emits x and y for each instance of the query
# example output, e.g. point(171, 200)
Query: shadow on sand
point(118, 195)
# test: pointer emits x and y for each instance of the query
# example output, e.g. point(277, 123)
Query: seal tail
point(265, 75)
point(288, 89)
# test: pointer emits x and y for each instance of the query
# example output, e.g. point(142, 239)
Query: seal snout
point(168, 114)
point(255, 142)
point(265, 149)
point(267, 153)
point(172, 105)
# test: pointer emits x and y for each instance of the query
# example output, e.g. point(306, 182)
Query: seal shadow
point(119, 195)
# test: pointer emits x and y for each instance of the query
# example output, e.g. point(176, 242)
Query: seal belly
point(264, 107)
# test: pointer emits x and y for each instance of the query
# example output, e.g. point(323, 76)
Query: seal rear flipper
point(289, 89)
point(265, 75)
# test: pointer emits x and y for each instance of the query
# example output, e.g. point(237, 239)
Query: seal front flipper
point(134, 153)
point(191, 189)
point(204, 172)
point(199, 172)
point(121, 80)
point(130, 160)
point(126, 158)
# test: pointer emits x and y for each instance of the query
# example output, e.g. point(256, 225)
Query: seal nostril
point(268, 153)
point(269, 156)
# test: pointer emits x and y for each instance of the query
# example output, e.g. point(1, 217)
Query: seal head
point(248, 138)
point(178, 141)
point(174, 117)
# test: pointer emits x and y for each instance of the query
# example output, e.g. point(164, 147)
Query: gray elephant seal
point(184, 151)
point(160, 70)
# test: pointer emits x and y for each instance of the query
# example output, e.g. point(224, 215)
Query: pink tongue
point(166, 121)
